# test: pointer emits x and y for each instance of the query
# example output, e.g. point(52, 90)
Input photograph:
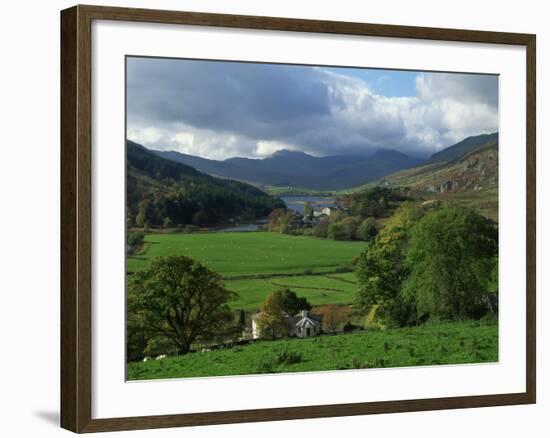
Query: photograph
point(289, 218)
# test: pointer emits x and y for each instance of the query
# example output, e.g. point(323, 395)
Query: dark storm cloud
point(255, 100)
point(222, 109)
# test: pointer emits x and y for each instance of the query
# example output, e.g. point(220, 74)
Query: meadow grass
point(447, 343)
point(318, 289)
point(258, 262)
point(250, 253)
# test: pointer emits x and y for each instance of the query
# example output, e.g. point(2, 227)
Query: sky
point(221, 109)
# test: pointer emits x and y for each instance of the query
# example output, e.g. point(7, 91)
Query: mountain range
point(286, 168)
point(294, 169)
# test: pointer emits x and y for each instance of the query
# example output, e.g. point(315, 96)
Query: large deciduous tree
point(451, 257)
point(177, 299)
point(381, 269)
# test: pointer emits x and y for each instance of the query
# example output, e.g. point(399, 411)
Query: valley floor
point(254, 264)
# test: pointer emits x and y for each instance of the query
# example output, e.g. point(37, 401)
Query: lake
point(240, 228)
point(297, 203)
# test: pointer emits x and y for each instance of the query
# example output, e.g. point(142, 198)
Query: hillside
point(162, 192)
point(475, 170)
point(470, 180)
point(460, 149)
point(297, 169)
point(436, 344)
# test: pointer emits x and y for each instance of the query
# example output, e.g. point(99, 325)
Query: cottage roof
point(298, 320)
point(307, 322)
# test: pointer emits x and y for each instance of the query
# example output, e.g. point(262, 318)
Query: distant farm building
point(325, 211)
point(305, 325)
point(301, 325)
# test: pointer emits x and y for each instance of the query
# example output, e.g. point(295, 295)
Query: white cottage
point(324, 211)
point(301, 325)
point(304, 325)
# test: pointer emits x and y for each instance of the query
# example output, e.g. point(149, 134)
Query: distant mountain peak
point(288, 153)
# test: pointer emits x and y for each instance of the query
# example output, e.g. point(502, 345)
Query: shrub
point(321, 229)
point(135, 239)
point(336, 232)
point(367, 230)
point(349, 228)
point(190, 229)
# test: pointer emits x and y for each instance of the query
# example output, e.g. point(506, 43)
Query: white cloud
point(145, 135)
point(219, 111)
point(265, 148)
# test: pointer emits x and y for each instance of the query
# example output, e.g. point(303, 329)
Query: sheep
point(146, 358)
point(161, 356)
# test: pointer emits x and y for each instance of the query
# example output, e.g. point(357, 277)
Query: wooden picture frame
point(76, 217)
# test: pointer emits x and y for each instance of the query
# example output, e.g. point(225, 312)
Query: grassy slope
point(451, 343)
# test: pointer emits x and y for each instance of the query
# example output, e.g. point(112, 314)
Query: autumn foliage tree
point(274, 219)
point(334, 316)
point(272, 320)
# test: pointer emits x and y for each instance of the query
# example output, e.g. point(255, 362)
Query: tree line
point(353, 218)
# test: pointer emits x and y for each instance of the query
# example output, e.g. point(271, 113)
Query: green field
point(250, 253)
point(450, 343)
point(255, 263)
point(318, 289)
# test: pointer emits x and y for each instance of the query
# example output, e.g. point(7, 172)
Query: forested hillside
point(161, 192)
